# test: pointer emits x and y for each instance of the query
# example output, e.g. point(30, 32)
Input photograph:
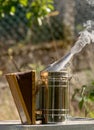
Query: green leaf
point(91, 96)
point(91, 99)
point(28, 15)
point(2, 15)
point(81, 103)
point(51, 7)
point(50, 1)
point(91, 114)
point(12, 10)
point(23, 2)
point(92, 83)
point(33, 4)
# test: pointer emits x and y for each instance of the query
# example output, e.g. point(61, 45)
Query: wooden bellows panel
point(22, 85)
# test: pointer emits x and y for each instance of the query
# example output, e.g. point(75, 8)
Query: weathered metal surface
point(67, 125)
point(58, 96)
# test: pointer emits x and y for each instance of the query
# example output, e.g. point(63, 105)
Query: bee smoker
point(55, 96)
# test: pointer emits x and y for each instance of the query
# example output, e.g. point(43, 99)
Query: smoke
point(90, 2)
point(86, 37)
point(84, 16)
point(84, 11)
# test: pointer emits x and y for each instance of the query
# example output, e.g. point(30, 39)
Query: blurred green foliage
point(36, 10)
point(85, 98)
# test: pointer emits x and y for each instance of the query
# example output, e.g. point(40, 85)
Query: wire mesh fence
point(14, 28)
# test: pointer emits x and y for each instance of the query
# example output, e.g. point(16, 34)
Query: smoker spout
point(59, 64)
point(85, 37)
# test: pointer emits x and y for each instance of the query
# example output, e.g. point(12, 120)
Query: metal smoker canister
point(56, 108)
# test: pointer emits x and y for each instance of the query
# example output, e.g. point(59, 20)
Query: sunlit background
point(35, 33)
